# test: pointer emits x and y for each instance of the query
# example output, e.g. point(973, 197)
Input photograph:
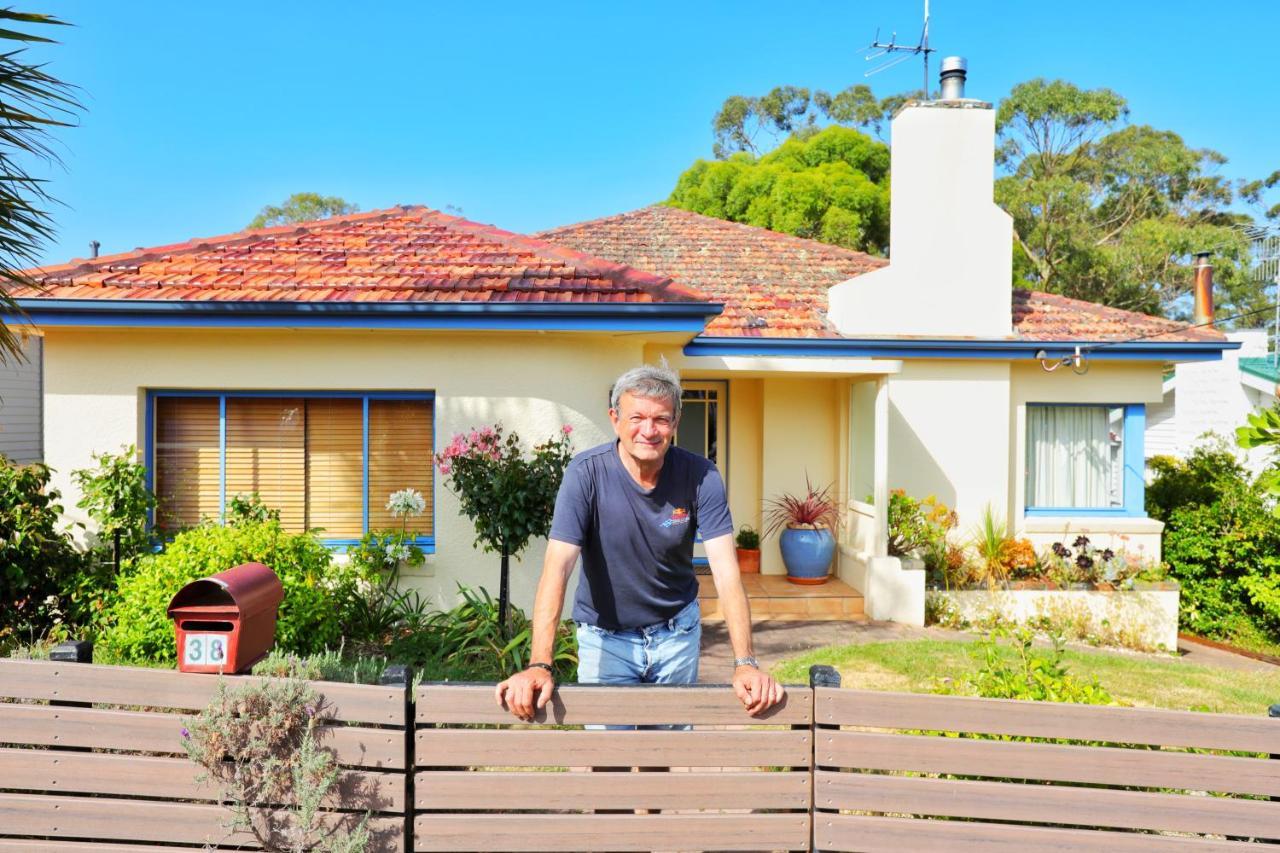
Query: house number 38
point(208, 649)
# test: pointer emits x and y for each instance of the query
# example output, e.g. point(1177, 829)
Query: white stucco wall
point(949, 434)
point(96, 382)
point(1213, 397)
point(950, 261)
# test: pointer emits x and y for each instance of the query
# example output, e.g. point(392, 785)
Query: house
point(320, 365)
point(1215, 397)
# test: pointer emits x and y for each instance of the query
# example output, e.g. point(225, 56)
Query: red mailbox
point(227, 622)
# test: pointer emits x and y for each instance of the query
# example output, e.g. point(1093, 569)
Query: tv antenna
point(1264, 257)
point(886, 49)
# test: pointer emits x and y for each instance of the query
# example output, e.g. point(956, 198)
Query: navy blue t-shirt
point(637, 543)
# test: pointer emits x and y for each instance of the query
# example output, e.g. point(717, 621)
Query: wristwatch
point(749, 660)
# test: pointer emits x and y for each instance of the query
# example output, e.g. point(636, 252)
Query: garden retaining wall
point(1145, 618)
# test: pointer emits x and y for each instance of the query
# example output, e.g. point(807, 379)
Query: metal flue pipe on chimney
point(954, 71)
point(1202, 313)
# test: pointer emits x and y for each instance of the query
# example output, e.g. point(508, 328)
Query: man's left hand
point(757, 690)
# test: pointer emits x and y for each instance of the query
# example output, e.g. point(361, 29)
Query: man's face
point(645, 426)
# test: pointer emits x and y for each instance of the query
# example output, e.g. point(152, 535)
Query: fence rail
point(91, 759)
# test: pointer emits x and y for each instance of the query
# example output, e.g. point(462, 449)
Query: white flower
point(406, 502)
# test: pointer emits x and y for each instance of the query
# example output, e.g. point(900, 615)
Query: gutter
point(541, 316)
point(1006, 350)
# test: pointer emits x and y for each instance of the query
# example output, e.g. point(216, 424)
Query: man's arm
point(757, 690)
point(527, 692)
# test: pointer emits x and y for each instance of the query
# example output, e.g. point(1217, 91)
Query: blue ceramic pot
point(807, 554)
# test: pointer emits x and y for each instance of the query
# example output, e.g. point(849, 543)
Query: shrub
point(318, 594)
point(258, 745)
point(1198, 480)
point(1030, 673)
point(509, 497)
point(1225, 556)
point(748, 538)
point(115, 495)
point(466, 643)
point(37, 558)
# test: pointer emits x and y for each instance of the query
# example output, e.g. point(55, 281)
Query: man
point(630, 508)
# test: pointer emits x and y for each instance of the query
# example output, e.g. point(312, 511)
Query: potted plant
point(807, 540)
point(748, 542)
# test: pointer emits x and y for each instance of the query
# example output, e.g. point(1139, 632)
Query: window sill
point(1059, 520)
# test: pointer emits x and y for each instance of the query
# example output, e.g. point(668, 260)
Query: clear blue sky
point(534, 115)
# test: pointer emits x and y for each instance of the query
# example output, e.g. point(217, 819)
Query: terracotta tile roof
point(772, 285)
point(775, 285)
point(403, 254)
point(1049, 317)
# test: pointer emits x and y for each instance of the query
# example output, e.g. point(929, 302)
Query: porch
point(774, 598)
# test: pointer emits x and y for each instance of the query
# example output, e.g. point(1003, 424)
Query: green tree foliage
point(1102, 211)
point(302, 207)
point(1113, 214)
point(832, 185)
point(1256, 193)
point(37, 559)
point(745, 122)
point(32, 105)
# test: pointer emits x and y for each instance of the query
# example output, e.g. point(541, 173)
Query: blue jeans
point(665, 653)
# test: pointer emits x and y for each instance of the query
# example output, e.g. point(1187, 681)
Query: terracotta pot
point(749, 561)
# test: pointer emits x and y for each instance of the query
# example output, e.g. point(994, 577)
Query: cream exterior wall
point(799, 437)
point(96, 382)
point(745, 451)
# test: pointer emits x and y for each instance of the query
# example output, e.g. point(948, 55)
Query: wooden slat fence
point(566, 783)
point(91, 758)
point(898, 771)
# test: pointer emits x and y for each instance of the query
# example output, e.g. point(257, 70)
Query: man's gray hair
point(651, 382)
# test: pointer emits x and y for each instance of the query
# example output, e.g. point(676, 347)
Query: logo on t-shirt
point(679, 515)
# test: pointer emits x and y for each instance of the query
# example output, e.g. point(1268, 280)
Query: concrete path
point(776, 641)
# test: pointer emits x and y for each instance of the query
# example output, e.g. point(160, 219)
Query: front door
point(703, 430)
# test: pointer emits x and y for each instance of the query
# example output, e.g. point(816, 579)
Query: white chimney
point(950, 247)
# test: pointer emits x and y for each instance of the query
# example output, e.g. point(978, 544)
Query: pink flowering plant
point(508, 494)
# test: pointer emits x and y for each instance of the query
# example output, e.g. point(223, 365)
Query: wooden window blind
point(399, 458)
point(335, 467)
point(303, 456)
point(266, 454)
point(186, 462)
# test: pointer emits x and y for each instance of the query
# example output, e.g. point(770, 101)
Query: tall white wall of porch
point(949, 428)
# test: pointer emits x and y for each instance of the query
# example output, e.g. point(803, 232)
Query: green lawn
point(915, 666)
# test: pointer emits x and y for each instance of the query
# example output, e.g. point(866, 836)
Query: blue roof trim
point(975, 349)
point(561, 316)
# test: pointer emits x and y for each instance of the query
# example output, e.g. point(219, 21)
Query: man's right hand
point(526, 692)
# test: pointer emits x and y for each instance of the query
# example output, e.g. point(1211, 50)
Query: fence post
point(72, 651)
point(401, 676)
point(1274, 713)
point(820, 675)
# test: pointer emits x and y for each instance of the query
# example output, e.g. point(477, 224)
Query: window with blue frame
point(1085, 459)
point(324, 461)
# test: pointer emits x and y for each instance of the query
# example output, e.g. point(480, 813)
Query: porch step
point(774, 598)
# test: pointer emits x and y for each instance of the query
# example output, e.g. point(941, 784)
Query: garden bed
point(1144, 617)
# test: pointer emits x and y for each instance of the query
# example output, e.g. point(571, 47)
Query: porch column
point(880, 469)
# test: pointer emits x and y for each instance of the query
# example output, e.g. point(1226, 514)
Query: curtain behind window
point(1071, 457)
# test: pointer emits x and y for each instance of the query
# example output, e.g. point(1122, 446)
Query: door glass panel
point(692, 433)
